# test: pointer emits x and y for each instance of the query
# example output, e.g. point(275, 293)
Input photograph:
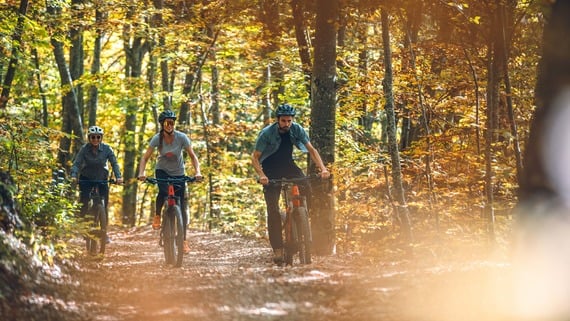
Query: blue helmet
point(285, 110)
point(167, 114)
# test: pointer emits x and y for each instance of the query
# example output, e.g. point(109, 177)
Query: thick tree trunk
point(323, 103)
point(553, 77)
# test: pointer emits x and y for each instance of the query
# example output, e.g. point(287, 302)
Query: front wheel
point(98, 234)
point(305, 239)
point(168, 236)
point(102, 229)
point(178, 236)
point(173, 233)
point(290, 239)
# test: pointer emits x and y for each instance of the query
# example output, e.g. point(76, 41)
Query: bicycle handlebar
point(154, 180)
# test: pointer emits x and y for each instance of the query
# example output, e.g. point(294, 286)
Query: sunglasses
point(169, 122)
point(95, 137)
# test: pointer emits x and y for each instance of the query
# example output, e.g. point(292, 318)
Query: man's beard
point(284, 129)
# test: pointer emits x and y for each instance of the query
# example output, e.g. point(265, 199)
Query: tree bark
point(273, 73)
point(16, 47)
point(323, 102)
point(401, 208)
point(71, 122)
point(553, 77)
point(298, 8)
point(134, 53)
point(93, 99)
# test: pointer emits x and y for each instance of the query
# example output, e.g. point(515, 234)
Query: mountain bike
point(96, 238)
point(297, 238)
point(172, 228)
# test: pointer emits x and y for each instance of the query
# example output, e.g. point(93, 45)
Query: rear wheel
point(304, 235)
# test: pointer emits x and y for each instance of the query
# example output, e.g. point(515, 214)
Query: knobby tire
point(179, 236)
point(97, 236)
point(303, 235)
point(290, 246)
point(102, 229)
point(168, 237)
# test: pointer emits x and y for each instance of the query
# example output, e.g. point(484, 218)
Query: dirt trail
point(232, 278)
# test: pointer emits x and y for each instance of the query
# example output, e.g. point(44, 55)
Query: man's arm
point(316, 157)
point(257, 166)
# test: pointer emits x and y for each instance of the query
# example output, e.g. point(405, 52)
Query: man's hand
point(120, 181)
point(199, 177)
point(263, 180)
point(325, 174)
point(141, 178)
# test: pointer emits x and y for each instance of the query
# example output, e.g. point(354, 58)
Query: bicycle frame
point(97, 238)
point(297, 238)
point(172, 229)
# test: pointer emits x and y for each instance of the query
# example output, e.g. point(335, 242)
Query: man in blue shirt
point(273, 159)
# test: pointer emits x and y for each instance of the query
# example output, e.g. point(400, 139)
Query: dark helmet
point(167, 114)
point(285, 110)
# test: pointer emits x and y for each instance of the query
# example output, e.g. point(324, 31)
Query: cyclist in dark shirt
point(91, 163)
point(273, 159)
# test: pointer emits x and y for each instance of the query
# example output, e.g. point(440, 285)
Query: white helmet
point(95, 130)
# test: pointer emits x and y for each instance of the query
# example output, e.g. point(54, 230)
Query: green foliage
point(44, 205)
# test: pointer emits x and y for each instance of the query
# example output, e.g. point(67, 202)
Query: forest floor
point(228, 277)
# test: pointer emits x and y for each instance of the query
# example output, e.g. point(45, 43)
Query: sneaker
point(278, 256)
point(108, 240)
point(156, 222)
point(186, 249)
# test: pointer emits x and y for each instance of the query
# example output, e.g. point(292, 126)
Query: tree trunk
point(44, 121)
point(72, 122)
point(494, 71)
point(553, 77)
point(92, 102)
point(76, 69)
point(273, 73)
point(134, 53)
point(298, 8)
point(16, 47)
point(76, 53)
point(505, 11)
point(401, 207)
point(323, 102)
point(216, 193)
